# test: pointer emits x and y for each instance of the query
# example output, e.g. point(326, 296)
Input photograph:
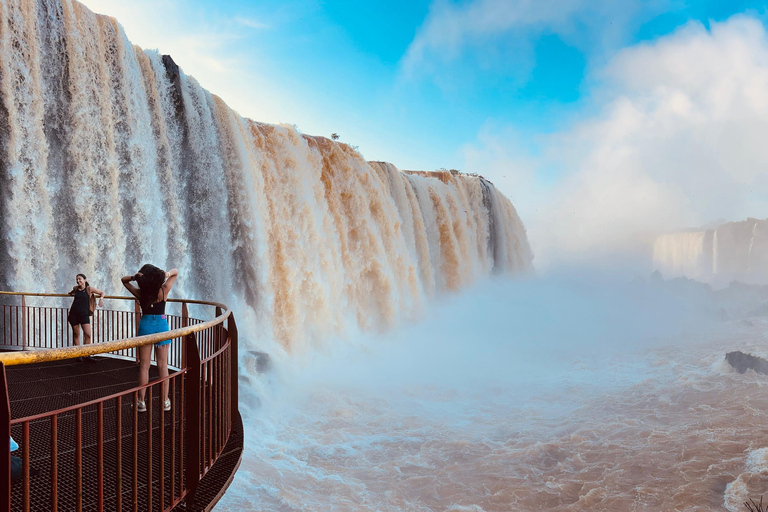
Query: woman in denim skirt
point(154, 285)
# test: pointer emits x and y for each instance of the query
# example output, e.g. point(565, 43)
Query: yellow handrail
point(118, 297)
point(57, 354)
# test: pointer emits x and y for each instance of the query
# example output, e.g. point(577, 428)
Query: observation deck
point(83, 443)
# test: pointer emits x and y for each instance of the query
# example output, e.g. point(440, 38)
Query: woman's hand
point(128, 279)
point(101, 301)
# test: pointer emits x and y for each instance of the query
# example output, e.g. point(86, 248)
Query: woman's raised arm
point(126, 280)
point(170, 278)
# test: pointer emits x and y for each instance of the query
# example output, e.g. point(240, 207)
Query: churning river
point(519, 396)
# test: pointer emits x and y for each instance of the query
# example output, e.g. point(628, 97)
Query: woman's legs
point(76, 334)
point(161, 357)
point(145, 357)
point(86, 333)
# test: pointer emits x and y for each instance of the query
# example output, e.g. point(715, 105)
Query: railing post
point(5, 440)
point(192, 416)
point(23, 323)
point(137, 319)
point(232, 328)
point(184, 323)
point(219, 335)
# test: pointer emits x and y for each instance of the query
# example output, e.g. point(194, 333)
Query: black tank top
point(80, 304)
point(158, 308)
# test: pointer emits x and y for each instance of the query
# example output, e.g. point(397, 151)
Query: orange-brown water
point(672, 429)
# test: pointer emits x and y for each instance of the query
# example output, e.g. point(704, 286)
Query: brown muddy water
point(675, 428)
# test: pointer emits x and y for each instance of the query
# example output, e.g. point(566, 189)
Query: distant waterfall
point(110, 157)
point(685, 254)
point(734, 250)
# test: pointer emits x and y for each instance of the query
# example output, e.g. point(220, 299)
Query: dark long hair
point(84, 279)
point(150, 281)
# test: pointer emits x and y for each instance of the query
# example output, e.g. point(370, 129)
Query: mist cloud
point(676, 139)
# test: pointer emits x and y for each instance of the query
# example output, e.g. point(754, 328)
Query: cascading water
point(540, 395)
point(734, 250)
point(111, 157)
point(684, 254)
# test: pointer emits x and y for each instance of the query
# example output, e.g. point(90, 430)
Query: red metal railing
point(122, 459)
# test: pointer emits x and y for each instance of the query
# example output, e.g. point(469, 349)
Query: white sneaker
point(141, 406)
point(167, 404)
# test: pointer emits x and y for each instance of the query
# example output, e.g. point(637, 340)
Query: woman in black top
point(154, 284)
point(80, 312)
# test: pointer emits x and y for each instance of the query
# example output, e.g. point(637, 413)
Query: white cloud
point(450, 30)
point(251, 23)
point(679, 140)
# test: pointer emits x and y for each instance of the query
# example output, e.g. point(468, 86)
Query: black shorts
point(77, 318)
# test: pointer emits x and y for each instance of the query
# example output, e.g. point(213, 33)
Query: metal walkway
point(41, 388)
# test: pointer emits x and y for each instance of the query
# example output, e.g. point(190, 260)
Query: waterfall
point(684, 254)
point(111, 156)
point(732, 251)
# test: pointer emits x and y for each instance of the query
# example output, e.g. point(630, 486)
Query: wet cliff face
point(111, 157)
point(735, 250)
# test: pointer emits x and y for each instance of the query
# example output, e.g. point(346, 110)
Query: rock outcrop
point(742, 362)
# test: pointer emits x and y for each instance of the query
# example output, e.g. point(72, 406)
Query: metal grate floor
point(39, 388)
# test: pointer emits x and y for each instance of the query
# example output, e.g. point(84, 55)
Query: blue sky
point(506, 88)
point(344, 66)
